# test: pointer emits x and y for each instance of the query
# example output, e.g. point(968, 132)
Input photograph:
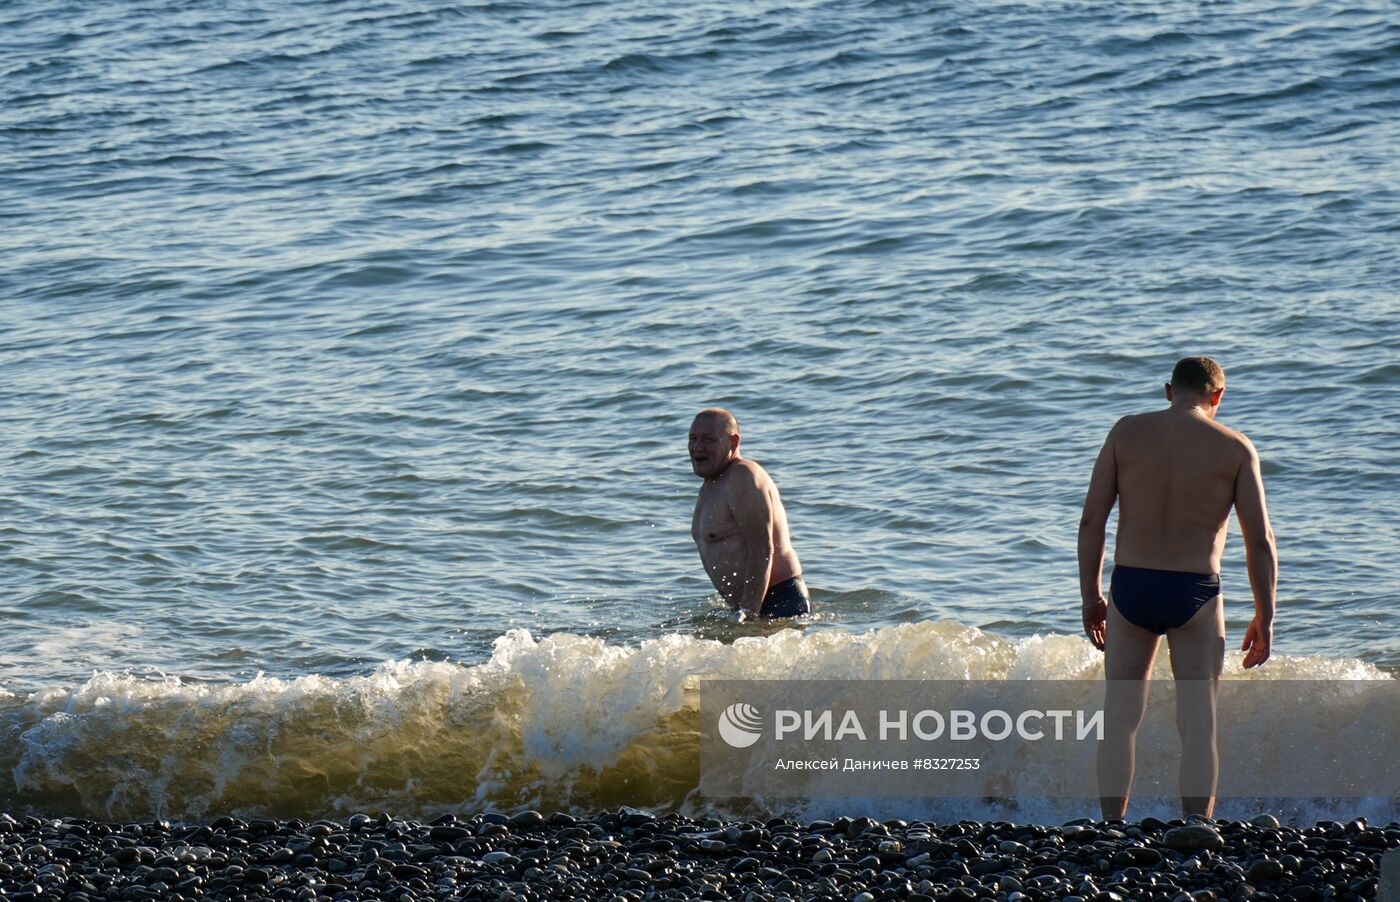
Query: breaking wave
point(564, 722)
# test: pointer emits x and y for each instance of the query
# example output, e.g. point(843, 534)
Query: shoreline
point(629, 855)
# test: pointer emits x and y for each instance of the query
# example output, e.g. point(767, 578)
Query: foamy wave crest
point(565, 722)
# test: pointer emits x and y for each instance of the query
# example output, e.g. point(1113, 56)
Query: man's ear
point(734, 442)
point(1169, 391)
point(1216, 395)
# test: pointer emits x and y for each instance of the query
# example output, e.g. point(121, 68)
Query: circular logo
point(740, 725)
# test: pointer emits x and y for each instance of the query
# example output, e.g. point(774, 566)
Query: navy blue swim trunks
point(1160, 600)
point(788, 598)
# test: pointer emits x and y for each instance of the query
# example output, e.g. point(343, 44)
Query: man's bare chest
point(713, 521)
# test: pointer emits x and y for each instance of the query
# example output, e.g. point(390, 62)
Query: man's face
point(711, 447)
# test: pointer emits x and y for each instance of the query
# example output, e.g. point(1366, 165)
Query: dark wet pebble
point(1264, 869)
point(1192, 837)
point(630, 855)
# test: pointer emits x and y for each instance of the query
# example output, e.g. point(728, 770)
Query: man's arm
point(753, 512)
point(1261, 556)
point(1093, 523)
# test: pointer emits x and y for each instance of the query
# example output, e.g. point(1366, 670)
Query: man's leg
point(1198, 657)
point(1128, 653)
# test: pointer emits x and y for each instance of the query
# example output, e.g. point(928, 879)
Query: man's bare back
point(740, 527)
point(1175, 475)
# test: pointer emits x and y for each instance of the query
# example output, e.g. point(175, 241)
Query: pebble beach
point(629, 855)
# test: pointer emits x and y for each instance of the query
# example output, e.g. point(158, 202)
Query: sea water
point(347, 353)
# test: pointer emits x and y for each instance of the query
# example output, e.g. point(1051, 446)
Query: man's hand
point(1095, 613)
point(1258, 641)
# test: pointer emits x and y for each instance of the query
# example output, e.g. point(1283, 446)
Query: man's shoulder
point(1231, 444)
point(746, 471)
point(745, 476)
point(1237, 439)
point(1131, 423)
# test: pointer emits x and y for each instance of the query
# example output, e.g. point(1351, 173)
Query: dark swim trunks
point(788, 598)
point(1160, 600)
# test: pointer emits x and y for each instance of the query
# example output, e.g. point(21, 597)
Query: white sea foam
point(566, 721)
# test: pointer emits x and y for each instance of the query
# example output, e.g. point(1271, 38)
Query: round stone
point(1264, 869)
point(1192, 838)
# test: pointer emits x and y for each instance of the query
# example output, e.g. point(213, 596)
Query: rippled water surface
point(340, 333)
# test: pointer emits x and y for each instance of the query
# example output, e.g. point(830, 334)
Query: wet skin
point(739, 526)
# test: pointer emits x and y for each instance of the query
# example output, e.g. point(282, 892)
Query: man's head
point(1197, 382)
point(714, 441)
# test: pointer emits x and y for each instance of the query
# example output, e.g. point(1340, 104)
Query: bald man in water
point(739, 525)
point(1175, 474)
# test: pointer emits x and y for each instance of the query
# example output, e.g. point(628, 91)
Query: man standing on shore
point(739, 525)
point(1175, 474)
